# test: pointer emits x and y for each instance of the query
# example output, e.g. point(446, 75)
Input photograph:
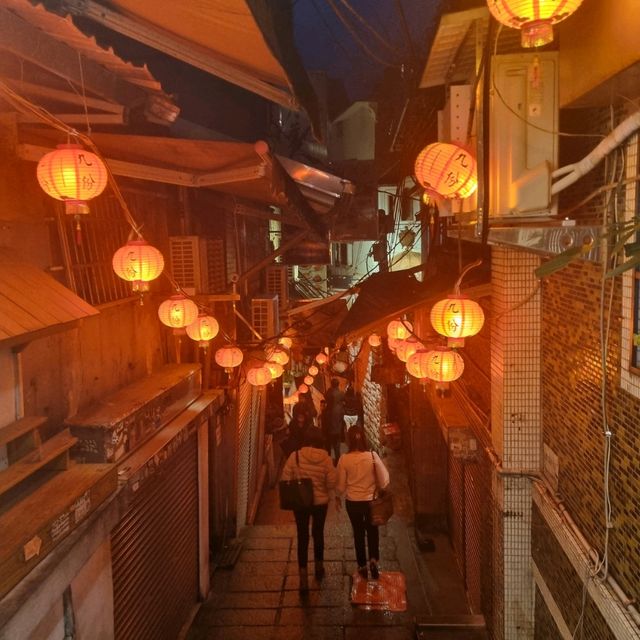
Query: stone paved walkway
point(259, 598)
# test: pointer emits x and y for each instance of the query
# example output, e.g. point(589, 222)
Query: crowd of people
point(353, 477)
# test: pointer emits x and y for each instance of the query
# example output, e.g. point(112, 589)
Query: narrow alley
point(258, 597)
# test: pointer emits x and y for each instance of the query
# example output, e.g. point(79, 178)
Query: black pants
point(333, 443)
point(317, 514)
point(359, 515)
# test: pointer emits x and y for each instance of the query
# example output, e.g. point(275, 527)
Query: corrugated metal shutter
point(245, 398)
point(155, 552)
point(473, 533)
point(456, 507)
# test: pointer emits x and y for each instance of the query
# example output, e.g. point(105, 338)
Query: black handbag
point(297, 493)
point(381, 507)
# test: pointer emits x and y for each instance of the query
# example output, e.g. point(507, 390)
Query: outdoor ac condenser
point(197, 264)
point(523, 148)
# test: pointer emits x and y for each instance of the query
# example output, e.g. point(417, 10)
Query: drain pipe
point(534, 475)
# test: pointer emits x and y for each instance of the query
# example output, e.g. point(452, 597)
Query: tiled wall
point(516, 425)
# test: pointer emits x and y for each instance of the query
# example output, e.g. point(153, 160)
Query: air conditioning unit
point(453, 125)
point(523, 148)
point(277, 283)
point(198, 264)
point(265, 316)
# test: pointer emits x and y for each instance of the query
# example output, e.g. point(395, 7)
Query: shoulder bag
point(297, 493)
point(381, 507)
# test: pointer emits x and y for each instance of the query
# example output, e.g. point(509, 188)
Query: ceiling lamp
point(408, 347)
point(447, 170)
point(228, 357)
point(138, 263)
point(322, 358)
point(303, 388)
point(399, 329)
point(72, 174)
point(374, 340)
point(535, 18)
point(308, 380)
point(203, 329)
point(313, 370)
point(178, 312)
point(285, 341)
point(275, 368)
point(277, 354)
point(444, 366)
point(259, 376)
point(418, 363)
point(457, 317)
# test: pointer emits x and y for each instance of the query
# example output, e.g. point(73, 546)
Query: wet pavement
point(259, 599)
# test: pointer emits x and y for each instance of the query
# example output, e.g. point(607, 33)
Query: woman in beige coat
point(312, 461)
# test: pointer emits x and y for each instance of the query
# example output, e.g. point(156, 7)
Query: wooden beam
point(181, 49)
point(77, 118)
point(34, 45)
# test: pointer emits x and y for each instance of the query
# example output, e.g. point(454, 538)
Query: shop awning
point(33, 304)
point(249, 43)
point(241, 169)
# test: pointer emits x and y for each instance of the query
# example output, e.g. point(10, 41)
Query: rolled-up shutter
point(155, 552)
point(245, 401)
point(456, 508)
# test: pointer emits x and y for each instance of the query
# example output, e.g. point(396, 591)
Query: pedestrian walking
point(334, 398)
point(312, 461)
point(357, 483)
point(352, 408)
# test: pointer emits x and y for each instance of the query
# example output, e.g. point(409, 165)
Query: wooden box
point(110, 429)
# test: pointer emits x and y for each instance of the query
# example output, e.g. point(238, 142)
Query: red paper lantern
point(277, 354)
point(275, 369)
point(177, 312)
point(444, 366)
point(285, 341)
point(322, 358)
point(138, 263)
point(308, 380)
point(374, 340)
point(303, 388)
point(259, 376)
point(399, 329)
point(72, 174)
point(457, 317)
point(203, 329)
point(228, 357)
point(407, 348)
point(313, 370)
point(535, 18)
point(418, 363)
point(447, 170)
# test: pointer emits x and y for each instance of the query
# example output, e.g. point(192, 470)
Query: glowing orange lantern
point(285, 341)
point(259, 376)
point(340, 366)
point(447, 170)
point(313, 370)
point(138, 263)
point(228, 357)
point(303, 388)
point(203, 329)
point(308, 380)
point(374, 340)
point(292, 399)
point(275, 369)
point(322, 358)
point(457, 317)
point(393, 343)
point(408, 347)
point(399, 329)
point(535, 18)
point(278, 354)
point(177, 312)
point(418, 363)
point(444, 366)
point(72, 174)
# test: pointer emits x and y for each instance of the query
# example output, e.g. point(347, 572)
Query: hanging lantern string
point(26, 106)
point(473, 265)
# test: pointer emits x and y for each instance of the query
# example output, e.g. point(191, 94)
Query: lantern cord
point(84, 95)
point(473, 265)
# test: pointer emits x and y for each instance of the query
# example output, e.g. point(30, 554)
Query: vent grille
point(264, 316)
point(198, 264)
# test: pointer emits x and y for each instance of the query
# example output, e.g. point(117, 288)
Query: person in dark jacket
point(334, 398)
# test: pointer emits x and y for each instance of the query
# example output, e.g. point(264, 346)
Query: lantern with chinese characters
point(203, 329)
point(277, 354)
point(408, 347)
point(259, 376)
point(444, 366)
point(313, 370)
point(275, 368)
point(447, 170)
point(399, 329)
point(228, 357)
point(418, 363)
point(457, 317)
point(374, 340)
point(72, 174)
point(322, 358)
point(138, 263)
point(178, 312)
point(308, 380)
point(535, 18)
